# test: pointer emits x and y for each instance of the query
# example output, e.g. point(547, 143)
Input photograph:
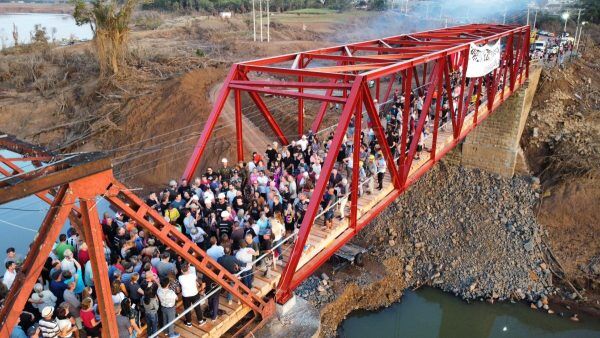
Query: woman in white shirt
point(117, 294)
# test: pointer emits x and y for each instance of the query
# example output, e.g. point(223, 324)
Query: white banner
point(483, 60)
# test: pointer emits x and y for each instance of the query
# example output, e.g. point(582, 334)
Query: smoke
point(433, 14)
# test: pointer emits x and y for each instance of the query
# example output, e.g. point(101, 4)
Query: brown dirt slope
point(562, 144)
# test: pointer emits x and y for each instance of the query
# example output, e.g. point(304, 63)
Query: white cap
point(225, 214)
point(221, 195)
point(172, 182)
point(47, 311)
point(195, 197)
point(224, 160)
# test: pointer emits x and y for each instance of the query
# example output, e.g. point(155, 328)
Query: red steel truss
point(424, 62)
point(63, 181)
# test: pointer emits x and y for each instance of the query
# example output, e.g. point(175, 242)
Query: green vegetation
point(591, 10)
point(313, 11)
point(243, 6)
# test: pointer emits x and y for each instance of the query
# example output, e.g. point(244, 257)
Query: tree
point(591, 10)
point(109, 21)
point(378, 5)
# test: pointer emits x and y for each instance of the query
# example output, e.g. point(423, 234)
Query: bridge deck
point(320, 237)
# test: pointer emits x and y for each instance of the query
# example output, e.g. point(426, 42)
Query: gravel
point(464, 231)
point(467, 232)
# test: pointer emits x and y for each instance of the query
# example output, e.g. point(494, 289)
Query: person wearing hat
point(197, 234)
point(48, 326)
point(225, 171)
point(221, 204)
point(194, 200)
point(225, 224)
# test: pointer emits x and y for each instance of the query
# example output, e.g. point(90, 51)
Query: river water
point(433, 313)
point(21, 219)
point(58, 27)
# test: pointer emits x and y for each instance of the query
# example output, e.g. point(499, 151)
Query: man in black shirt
point(231, 264)
point(335, 177)
point(271, 154)
point(210, 175)
point(225, 224)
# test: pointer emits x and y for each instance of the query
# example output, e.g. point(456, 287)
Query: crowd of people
point(554, 53)
point(234, 213)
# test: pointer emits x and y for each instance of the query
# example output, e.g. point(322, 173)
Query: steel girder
point(83, 179)
point(424, 62)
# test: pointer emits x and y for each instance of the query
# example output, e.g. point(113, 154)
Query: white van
point(540, 45)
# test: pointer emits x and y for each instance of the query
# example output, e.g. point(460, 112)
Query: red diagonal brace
point(284, 289)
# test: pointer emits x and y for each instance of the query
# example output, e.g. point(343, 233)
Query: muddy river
point(58, 27)
point(432, 313)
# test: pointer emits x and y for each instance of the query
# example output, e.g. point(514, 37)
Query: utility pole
point(268, 23)
point(254, 20)
point(535, 18)
point(446, 25)
point(578, 17)
point(527, 15)
point(261, 23)
point(579, 38)
point(504, 19)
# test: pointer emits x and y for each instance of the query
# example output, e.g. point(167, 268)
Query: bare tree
point(15, 34)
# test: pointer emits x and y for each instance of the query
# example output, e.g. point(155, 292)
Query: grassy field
point(322, 21)
point(313, 11)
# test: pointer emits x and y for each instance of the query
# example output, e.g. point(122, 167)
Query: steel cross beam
point(284, 289)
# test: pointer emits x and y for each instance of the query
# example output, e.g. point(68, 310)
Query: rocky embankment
point(464, 231)
point(467, 232)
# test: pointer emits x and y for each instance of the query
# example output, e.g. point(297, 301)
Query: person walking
point(190, 293)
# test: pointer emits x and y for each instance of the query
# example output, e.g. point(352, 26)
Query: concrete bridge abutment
point(494, 144)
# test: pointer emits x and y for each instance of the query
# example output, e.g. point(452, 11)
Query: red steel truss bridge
point(360, 78)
